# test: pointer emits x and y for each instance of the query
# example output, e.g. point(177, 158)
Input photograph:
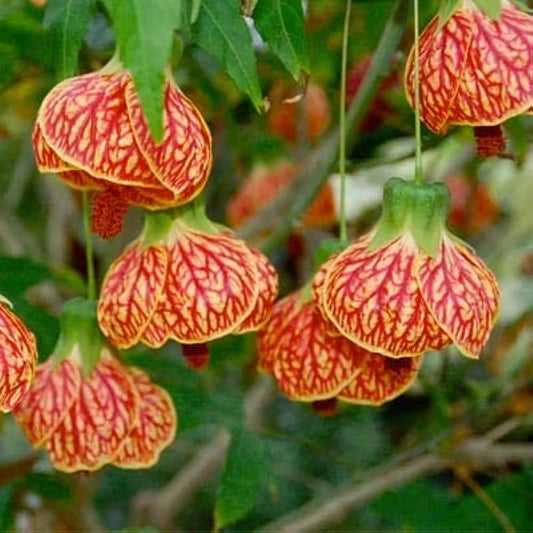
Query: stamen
point(196, 355)
point(325, 407)
point(108, 211)
point(489, 140)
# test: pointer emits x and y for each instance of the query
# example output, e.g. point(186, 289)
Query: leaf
point(68, 20)
point(144, 31)
point(281, 24)
point(221, 31)
point(491, 8)
point(446, 10)
point(242, 478)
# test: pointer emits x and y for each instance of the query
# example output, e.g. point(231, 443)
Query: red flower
point(113, 415)
point(265, 183)
point(185, 284)
point(18, 355)
point(475, 71)
point(92, 133)
point(312, 363)
point(410, 286)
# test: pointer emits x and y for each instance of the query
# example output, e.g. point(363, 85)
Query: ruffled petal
point(48, 401)
point(381, 379)
point(462, 294)
point(18, 355)
point(373, 299)
point(155, 428)
point(95, 427)
point(131, 290)
point(182, 161)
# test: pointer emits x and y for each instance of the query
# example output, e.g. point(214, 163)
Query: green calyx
point(79, 326)
point(418, 208)
point(326, 249)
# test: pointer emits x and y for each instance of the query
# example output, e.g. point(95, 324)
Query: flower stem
point(342, 125)
point(419, 176)
point(91, 284)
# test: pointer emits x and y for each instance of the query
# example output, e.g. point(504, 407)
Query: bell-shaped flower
point(409, 285)
point(312, 363)
point(186, 279)
point(475, 71)
point(18, 356)
point(91, 132)
point(88, 409)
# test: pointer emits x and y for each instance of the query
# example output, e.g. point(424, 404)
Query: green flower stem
point(419, 176)
point(91, 283)
point(342, 125)
point(278, 217)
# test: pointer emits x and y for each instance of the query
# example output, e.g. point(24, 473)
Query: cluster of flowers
point(357, 332)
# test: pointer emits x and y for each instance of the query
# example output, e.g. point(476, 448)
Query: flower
point(265, 183)
point(18, 356)
point(185, 279)
point(92, 133)
point(88, 409)
point(409, 285)
point(475, 71)
point(311, 362)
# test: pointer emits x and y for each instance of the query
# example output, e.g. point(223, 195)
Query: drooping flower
point(185, 279)
point(265, 183)
point(475, 71)
point(311, 362)
point(88, 409)
point(18, 356)
point(92, 133)
point(410, 286)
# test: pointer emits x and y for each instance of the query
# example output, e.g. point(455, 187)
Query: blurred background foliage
point(245, 456)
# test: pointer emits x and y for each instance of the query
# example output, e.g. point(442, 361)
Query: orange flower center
point(108, 211)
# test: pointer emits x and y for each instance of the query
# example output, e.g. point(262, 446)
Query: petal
point(95, 427)
point(212, 285)
point(381, 379)
point(18, 354)
point(463, 295)
point(85, 122)
point(317, 289)
point(373, 299)
point(497, 82)
point(155, 428)
point(47, 159)
point(182, 161)
point(51, 396)
point(308, 364)
point(443, 54)
point(131, 290)
point(268, 292)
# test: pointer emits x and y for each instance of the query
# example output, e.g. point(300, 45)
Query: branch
point(278, 216)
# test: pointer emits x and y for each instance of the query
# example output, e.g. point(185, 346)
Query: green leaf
point(491, 8)
point(242, 478)
point(221, 31)
point(68, 20)
point(144, 31)
point(281, 24)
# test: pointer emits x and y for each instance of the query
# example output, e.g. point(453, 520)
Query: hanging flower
point(18, 355)
point(88, 409)
point(92, 133)
point(312, 363)
point(475, 71)
point(266, 183)
point(410, 286)
point(185, 279)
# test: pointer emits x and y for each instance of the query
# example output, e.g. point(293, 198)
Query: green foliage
point(281, 24)
point(242, 478)
point(492, 8)
point(67, 20)
point(220, 30)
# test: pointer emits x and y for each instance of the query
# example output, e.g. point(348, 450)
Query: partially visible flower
point(18, 356)
point(475, 71)
point(410, 286)
point(91, 132)
point(266, 183)
point(88, 409)
point(185, 279)
point(288, 114)
point(312, 363)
